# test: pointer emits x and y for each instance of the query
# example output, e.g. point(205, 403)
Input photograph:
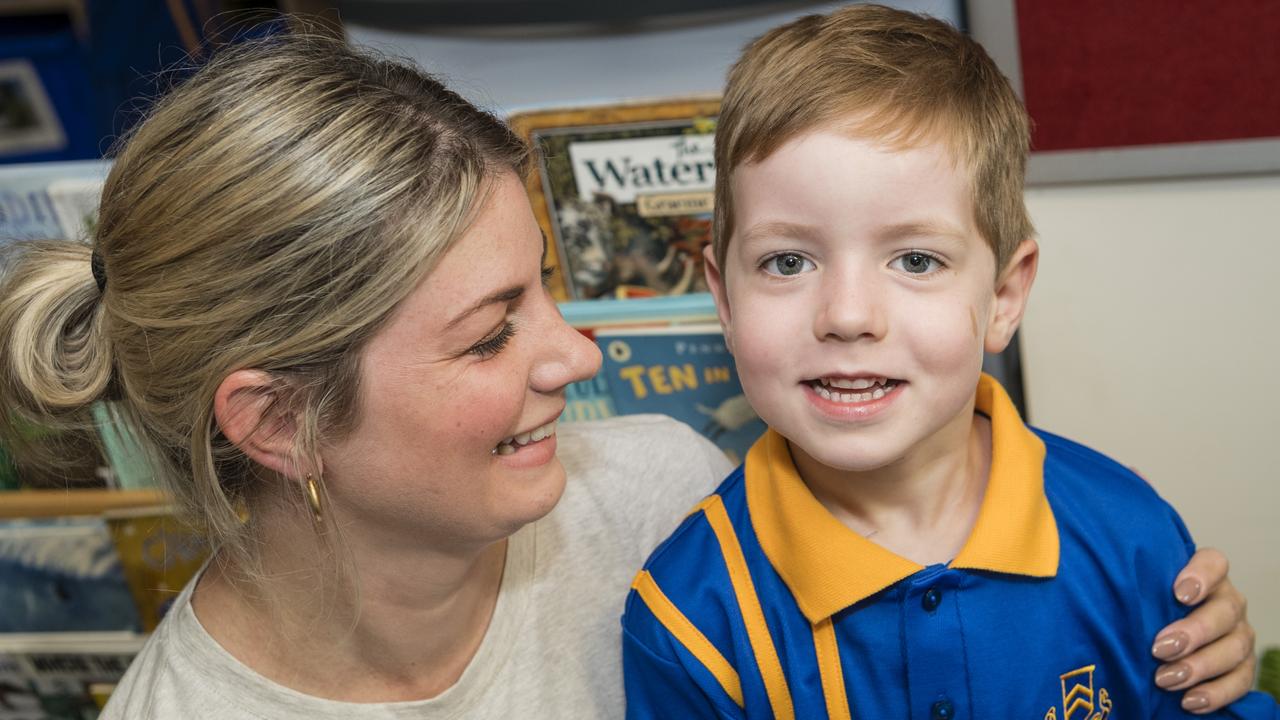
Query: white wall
point(1153, 336)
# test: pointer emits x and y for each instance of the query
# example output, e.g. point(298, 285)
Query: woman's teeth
point(508, 446)
point(836, 389)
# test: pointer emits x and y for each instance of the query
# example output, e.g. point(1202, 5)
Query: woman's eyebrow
point(502, 296)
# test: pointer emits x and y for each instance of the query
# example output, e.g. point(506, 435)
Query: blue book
point(44, 201)
point(686, 372)
point(591, 399)
point(588, 400)
point(62, 575)
point(664, 310)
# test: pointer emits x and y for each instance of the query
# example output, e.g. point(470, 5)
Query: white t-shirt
point(553, 646)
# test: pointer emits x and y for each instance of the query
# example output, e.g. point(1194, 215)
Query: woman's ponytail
point(55, 356)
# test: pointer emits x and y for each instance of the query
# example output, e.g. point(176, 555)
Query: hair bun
point(55, 360)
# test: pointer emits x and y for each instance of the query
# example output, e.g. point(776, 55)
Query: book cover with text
point(685, 372)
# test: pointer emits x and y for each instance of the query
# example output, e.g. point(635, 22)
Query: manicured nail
point(1170, 646)
point(1195, 701)
point(1173, 675)
point(1187, 591)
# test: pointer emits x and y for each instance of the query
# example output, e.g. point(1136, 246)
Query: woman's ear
point(715, 283)
point(1012, 289)
point(253, 414)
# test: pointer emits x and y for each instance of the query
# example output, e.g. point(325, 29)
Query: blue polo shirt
point(763, 605)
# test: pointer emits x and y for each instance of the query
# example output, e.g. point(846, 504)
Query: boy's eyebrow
point(921, 228)
point(779, 228)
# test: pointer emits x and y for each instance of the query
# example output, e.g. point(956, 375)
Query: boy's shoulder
point(1072, 469)
point(691, 567)
point(697, 533)
point(1101, 502)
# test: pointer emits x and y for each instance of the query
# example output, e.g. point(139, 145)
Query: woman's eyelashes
point(494, 344)
point(547, 272)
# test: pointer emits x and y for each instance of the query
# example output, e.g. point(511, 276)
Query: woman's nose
point(569, 357)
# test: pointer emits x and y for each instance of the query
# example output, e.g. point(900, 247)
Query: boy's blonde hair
point(270, 213)
point(886, 74)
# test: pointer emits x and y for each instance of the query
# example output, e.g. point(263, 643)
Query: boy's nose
point(849, 309)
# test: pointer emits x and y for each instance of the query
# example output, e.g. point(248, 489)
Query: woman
point(316, 292)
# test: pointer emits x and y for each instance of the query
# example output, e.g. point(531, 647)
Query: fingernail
point(1195, 701)
point(1173, 675)
point(1187, 591)
point(1170, 645)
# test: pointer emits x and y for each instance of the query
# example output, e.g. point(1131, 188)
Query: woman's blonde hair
point(270, 213)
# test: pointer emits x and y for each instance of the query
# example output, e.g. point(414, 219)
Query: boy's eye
point(918, 263)
point(787, 264)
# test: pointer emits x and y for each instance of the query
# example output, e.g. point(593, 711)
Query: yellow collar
point(829, 567)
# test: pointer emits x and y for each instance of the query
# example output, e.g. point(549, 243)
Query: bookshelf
point(58, 503)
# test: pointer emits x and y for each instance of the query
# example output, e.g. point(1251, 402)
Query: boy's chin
point(844, 461)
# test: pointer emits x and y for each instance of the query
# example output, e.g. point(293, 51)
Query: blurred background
point(1154, 186)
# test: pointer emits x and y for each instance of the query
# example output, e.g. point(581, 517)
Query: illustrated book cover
point(685, 372)
point(625, 192)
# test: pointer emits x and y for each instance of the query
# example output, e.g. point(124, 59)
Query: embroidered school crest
point(1078, 701)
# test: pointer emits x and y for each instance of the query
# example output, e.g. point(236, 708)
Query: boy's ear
point(715, 283)
point(1012, 289)
point(254, 416)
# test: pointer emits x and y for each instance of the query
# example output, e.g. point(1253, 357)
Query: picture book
point(626, 192)
point(685, 372)
point(44, 201)
point(591, 399)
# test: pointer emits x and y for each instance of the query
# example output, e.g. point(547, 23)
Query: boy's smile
point(851, 398)
point(858, 295)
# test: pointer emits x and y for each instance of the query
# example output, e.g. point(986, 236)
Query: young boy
point(898, 544)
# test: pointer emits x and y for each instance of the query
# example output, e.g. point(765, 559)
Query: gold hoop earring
point(313, 499)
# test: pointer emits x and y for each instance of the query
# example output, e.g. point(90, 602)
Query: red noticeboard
point(1141, 88)
point(1100, 73)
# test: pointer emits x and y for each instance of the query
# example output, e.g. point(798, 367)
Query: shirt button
point(931, 600)
point(943, 710)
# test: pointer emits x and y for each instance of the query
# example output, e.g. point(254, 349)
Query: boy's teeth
point(508, 446)
point(879, 391)
point(857, 384)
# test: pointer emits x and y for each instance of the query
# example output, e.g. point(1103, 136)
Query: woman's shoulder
point(155, 686)
point(182, 672)
point(635, 475)
point(638, 446)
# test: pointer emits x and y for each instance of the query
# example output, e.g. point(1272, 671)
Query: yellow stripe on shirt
point(775, 683)
point(828, 652)
point(689, 636)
